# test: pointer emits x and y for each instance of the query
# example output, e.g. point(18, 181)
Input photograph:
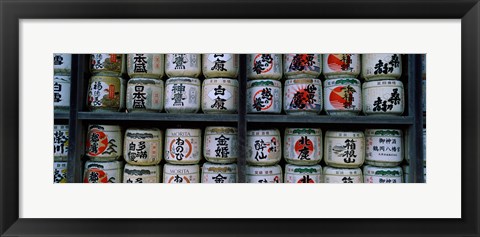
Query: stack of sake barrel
point(62, 65)
point(104, 143)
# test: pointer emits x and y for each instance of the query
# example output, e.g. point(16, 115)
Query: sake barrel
point(384, 66)
point(219, 173)
point(341, 65)
point(141, 174)
point(344, 149)
point(106, 94)
point(264, 66)
point(104, 142)
point(263, 174)
point(303, 146)
point(220, 144)
point(220, 96)
point(384, 97)
point(59, 172)
point(374, 174)
point(384, 147)
point(107, 64)
point(145, 95)
point(302, 65)
point(342, 175)
point(62, 64)
point(60, 142)
point(145, 65)
point(264, 147)
point(181, 174)
point(61, 92)
point(143, 146)
point(220, 65)
point(264, 96)
point(103, 172)
point(303, 174)
point(183, 145)
point(182, 95)
point(343, 97)
point(183, 65)
point(302, 96)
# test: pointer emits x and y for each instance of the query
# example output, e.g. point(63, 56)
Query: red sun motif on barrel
point(342, 97)
point(258, 59)
point(304, 146)
point(305, 180)
point(339, 62)
point(96, 175)
point(97, 142)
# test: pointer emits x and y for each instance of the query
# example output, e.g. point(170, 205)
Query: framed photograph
point(437, 170)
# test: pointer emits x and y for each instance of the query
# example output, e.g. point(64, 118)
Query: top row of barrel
point(259, 66)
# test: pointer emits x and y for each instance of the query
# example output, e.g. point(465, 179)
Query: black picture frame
point(12, 11)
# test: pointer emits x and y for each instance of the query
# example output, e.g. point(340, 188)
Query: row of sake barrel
point(341, 96)
point(117, 172)
point(259, 66)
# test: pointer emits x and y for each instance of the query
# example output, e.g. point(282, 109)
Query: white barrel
point(61, 92)
point(264, 96)
point(303, 174)
point(141, 174)
point(183, 145)
point(60, 142)
point(181, 174)
point(303, 96)
point(60, 172)
point(264, 147)
point(264, 66)
point(62, 64)
point(302, 65)
point(341, 65)
point(182, 95)
point(344, 149)
point(219, 173)
point(106, 93)
point(145, 95)
point(145, 65)
point(103, 172)
point(303, 146)
point(143, 146)
point(183, 65)
point(343, 97)
point(220, 95)
point(104, 142)
point(384, 147)
point(107, 64)
point(263, 174)
point(383, 66)
point(220, 65)
point(342, 175)
point(406, 173)
point(374, 174)
point(384, 97)
point(220, 144)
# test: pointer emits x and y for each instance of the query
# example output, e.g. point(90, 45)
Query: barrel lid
point(264, 82)
point(110, 165)
point(300, 169)
point(223, 80)
point(141, 170)
point(168, 168)
point(255, 170)
point(209, 167)
point(105, 127)
point(144, 80)
point(188, 80)
point(383, 171)
point(266, 132)
point(303, 80)
point(342, 134)
point(342, 81)
point(379, 82)
point(328, 170)
point(174, 132)
point(303, 131)
point(383, 132)
point(224, 130)
point(155, 132)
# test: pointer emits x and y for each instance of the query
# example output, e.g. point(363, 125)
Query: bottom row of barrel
point(116, 172)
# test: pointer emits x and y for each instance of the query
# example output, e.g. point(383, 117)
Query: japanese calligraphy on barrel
point(220, 95)
point(303, 146)
point(183, 145)
point(143, 146)
point(303, 96)
point(104, 142)
point(342, 175)
point(61, 92)
point(141, 174)
point(181, 174)
point(59, 172)
point(383, 66)
point(384, 147)
point(182, 95)
point(62, 64)
point(384, 97)
point(263, 174)
point(341, 65)
point(264, 66)
point(374, 174)
point(344, 149)
point(342, 97)
point(107, 64)
point(145, 95)
point(220, 144)
point(183, 65)
point(303, 174)
point(145, 65)
point(264, 147)
point(302, 65)
point(264, 96)
point(220, 65)
point(60, 142)
point(103, 172)
point(106, 93)
point(219, 173)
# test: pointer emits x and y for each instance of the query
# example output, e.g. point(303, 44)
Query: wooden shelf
point(319, 119)
point(61, 115)
point(199, 117)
